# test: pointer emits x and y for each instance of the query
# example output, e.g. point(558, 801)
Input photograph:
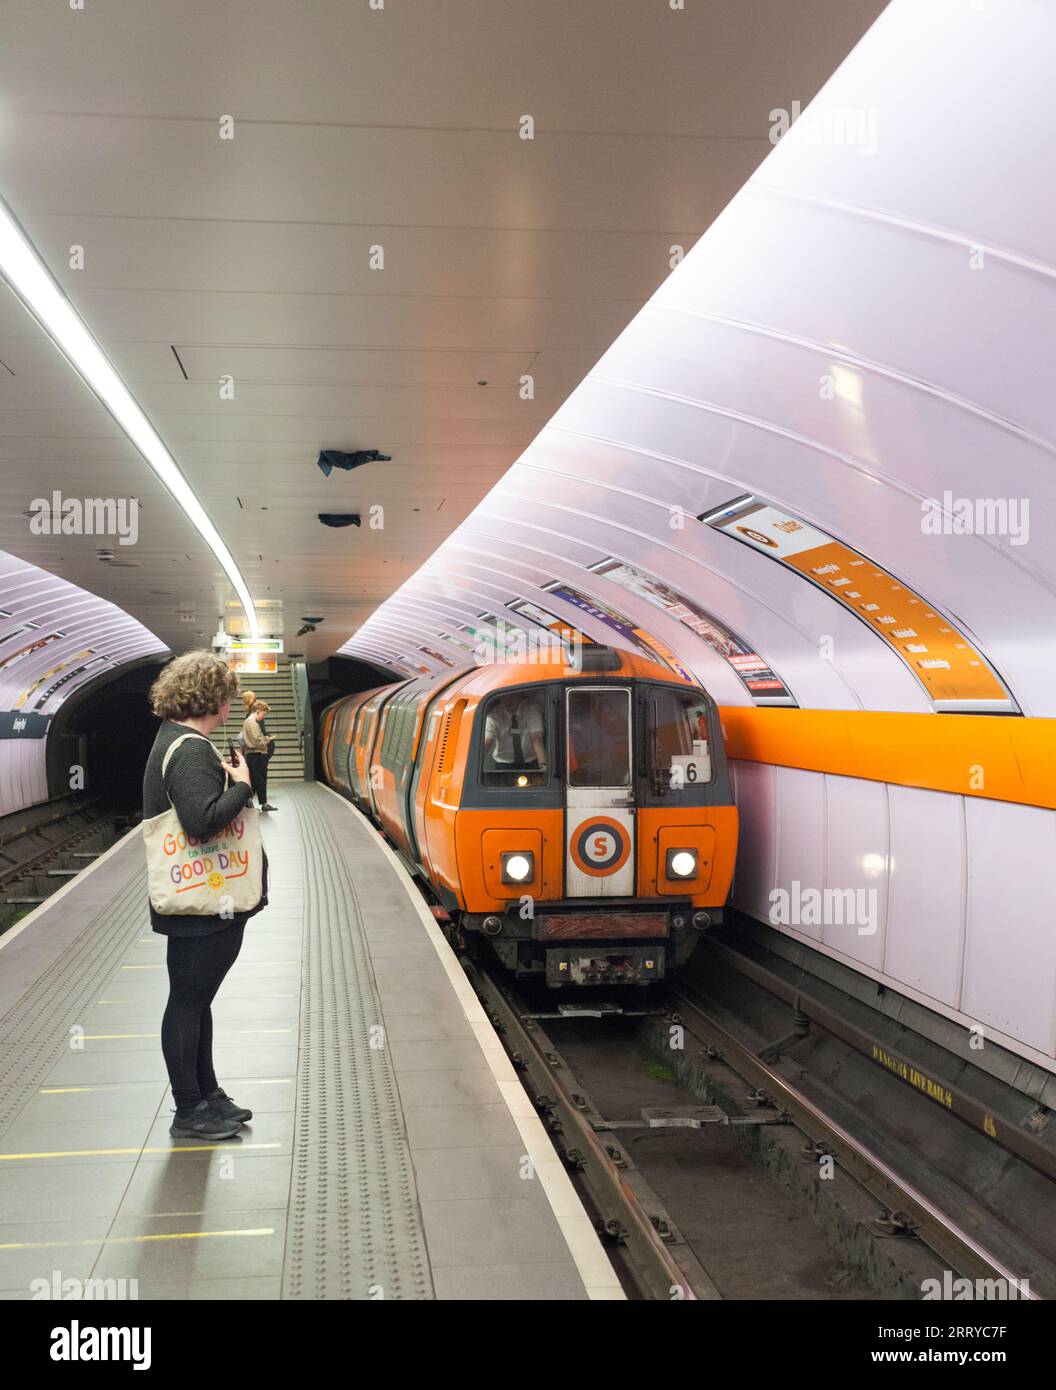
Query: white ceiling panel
point(363, 367)
point(443, 63)
point(367, 179)
point(354, 127)
point(306, 257)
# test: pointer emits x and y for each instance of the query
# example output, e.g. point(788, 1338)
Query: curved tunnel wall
point(859, 349)
point(54, 639)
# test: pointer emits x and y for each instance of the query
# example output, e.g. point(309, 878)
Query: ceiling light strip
point(41, 294)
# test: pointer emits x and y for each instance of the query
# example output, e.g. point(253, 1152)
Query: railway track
point(904, 1207)
point(72, 830)
point(648, 1250)
point(651, 1257)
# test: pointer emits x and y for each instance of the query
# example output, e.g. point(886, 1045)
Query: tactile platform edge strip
point(355, 1228)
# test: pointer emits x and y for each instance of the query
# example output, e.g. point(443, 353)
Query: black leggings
point(197, 966)
point(257, 763)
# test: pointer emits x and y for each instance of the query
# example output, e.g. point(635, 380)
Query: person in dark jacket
point(192, 695)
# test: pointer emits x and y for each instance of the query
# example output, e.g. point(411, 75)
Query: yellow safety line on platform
point(228, 1033)
point(127, 1240)
point(134, 1085)
point(168, 1148)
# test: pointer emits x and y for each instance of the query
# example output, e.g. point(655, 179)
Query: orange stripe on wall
point(1003, 758)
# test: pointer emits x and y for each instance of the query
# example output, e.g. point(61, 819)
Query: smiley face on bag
point(216, 881)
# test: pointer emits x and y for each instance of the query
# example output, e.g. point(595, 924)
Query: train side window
point(514, 740)
point(399, 736)
point(678, 751)
point(386, 734)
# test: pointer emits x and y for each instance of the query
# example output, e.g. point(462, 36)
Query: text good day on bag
point(218, 877)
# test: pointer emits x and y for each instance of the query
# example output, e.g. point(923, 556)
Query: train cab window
point(677, 748)
point(599, 737)
point(514, 741)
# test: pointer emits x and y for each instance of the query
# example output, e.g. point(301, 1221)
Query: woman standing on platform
point(258, 750)
point(192, 696)
point(248, 701)
point(271, 749)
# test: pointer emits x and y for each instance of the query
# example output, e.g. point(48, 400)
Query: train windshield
point(678, 753)
point(515, 740)
point(599, 737)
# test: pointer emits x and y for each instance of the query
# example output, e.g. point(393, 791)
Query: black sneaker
point(268, 807)
point(204, 1122)
point(222, 1103)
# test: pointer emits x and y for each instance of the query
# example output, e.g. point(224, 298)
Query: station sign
point(254, 664)
point(16, 725)
point(258, 644)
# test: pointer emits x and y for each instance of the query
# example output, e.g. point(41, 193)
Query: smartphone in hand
point(233, 757)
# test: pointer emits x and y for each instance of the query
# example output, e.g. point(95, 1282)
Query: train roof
point(597, 663)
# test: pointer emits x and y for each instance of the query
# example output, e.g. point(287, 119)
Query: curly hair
point(195, 684)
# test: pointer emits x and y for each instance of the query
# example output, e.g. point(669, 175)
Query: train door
point(599, 793)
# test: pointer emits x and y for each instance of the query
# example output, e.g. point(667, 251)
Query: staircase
point(287, 762)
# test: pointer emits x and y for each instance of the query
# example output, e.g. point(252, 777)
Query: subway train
point(575, 813)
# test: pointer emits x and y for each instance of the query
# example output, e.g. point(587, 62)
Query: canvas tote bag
point(203, 878)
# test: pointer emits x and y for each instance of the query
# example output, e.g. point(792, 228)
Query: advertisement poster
point(56, 686)
point(437, 656)
point(458, 641)
point(32, 647)
point(954, 674)
point(570, 638)
point(16, 631)
point(644, 642)
point(482, 634)
point(763, 684)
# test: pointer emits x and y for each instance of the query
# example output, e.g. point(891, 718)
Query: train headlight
point(518, 866)
point(681, 863)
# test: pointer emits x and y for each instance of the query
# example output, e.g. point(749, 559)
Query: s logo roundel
point(599, 846)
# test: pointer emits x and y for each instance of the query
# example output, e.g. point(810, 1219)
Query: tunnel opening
point(100, 740)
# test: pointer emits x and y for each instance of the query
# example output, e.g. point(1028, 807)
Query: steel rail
point(35, 862)
point(953, 1098)
point(933, 1226)
point(655, 1272)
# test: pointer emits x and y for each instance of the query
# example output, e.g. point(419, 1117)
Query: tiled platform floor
point(392, 1153)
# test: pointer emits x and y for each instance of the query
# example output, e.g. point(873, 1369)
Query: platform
point(393, 1153)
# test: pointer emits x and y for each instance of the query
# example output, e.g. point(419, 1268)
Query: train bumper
point(620, 943)
point(588, 964)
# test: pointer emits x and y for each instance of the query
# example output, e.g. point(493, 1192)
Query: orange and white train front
point(607, 839)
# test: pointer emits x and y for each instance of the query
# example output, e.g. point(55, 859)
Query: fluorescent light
point(34, 284)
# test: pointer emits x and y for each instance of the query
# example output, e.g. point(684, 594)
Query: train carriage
point(577, 814)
